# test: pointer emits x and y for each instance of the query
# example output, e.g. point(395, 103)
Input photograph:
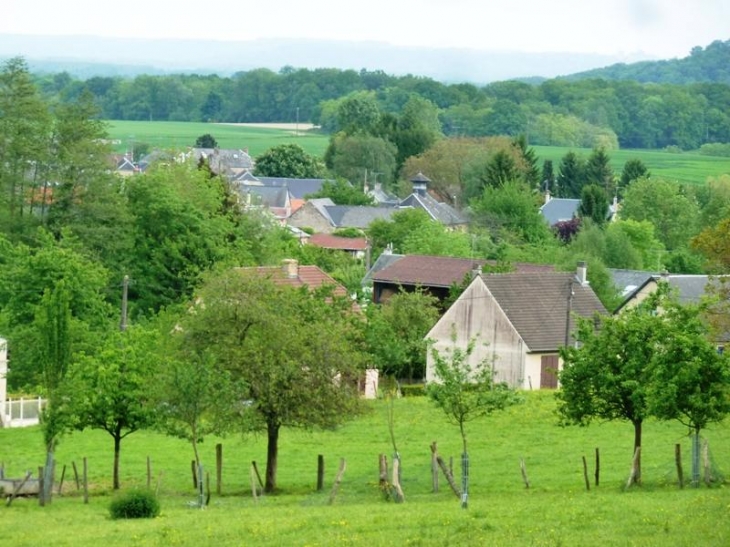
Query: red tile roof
point(310, 276)
point(329, 241)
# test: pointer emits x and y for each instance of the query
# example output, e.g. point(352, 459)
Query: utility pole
point(125, 290)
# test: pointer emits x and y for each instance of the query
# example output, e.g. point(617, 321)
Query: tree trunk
point(637, 444)
point(272, 453)
point(117, 449)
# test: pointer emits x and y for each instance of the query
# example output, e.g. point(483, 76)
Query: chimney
point(290, 268)
point(476, 269)
point(547, 196)
point(581, 274)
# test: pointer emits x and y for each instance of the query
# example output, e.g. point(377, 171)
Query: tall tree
point(633, 169)
point(24, 129)
point(296, 351)
point(598, 171)
point(593, 204)
point(288, 160)
point(571, 175)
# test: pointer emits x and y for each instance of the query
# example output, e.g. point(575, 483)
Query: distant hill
point(708, 65)
point(85, 56)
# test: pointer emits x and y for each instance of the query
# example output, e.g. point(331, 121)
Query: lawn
point(556, 510)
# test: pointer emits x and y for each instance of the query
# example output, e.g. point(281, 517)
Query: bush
point(413, 390)
point(135, 504)
point(721, 149)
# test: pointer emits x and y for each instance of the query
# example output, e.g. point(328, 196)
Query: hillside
point(703, 65)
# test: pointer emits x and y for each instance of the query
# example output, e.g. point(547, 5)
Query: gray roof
point(357, 216)
point(271, 197)
point(442, 212)
point(224, 159)
point(559, 209)
point(628, 281)
point(537, 304)
point(298, 188)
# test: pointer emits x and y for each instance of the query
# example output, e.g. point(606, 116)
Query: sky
point(656, 28)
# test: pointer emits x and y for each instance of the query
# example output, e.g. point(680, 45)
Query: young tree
point(608, 375)
point(297, 352)
point(115, 385)
point(571, 176)
point(690, 378)
point(598, 171)
point(466, 393)
point(633, 169)
point(593, 204)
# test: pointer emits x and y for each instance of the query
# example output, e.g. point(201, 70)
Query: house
point(556, 210)
point(224, 162)
point(354, 246)
point(276, 200)
point(293, 274)
point(434, 274)
point(437, 210)
point(689, 288)
point(627, 281)
point(298, 188)
point(323, 216)
point(518, 322)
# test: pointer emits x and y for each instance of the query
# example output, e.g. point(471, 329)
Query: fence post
point(22, 406)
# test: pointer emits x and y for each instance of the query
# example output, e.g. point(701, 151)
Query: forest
point(681, 103)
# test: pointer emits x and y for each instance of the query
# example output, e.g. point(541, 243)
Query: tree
point(633, 169)
point(714, 245)
point(547, 178)
point(593, 204)
point(358, 113)
point(466, 392)
point(116, 384)
point(669, 207)
point(296, 352)
point(206, 141)
point(342, 192)
point(396, 230)
point(396, 331)
point(288, 160)
point(571, 176)
point(690, 378)
point(608, 375)
point(598, 171)
point(361, 158)
point(500, 169)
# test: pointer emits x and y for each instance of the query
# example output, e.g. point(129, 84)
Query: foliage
point(342, 192)
point(566, 230)
point(134, 504)
point(361, 157)
point(396, 230)
point(466, 392)
point(206, 141)
point(297, 352)
point(116, 385)
point(571, 176)
point(396, 330)
point(593, 204)
point(714, 245)
point(288, 160)
point(633, 169)
point(598, 171)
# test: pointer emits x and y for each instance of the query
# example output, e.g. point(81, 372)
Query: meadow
point(685, 167)
point(556, 509)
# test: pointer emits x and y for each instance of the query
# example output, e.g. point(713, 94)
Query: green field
point(686, 167)
point(176, 135)
point(556, 510)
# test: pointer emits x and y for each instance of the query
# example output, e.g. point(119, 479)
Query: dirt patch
point(284, 126)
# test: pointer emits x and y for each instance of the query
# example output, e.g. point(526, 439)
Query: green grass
point(685, 167)
point(178, 135)
point(556, 510)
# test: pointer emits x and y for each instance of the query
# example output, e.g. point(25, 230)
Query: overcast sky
point(659, 28)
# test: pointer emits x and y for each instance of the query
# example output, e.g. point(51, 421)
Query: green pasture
point(179, 135)
point(556, 509)
point(684, 167)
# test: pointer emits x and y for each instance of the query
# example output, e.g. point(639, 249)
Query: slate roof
point(436, 271)
point(298, 188)
point(356, 216)
point(559, 209)
point(329, 241)
point(537, 304)
point(628, 281)
point(442, 212)
point(270, 197)
point(224, 160)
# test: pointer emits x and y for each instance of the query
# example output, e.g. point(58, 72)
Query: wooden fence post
point(60, 483)
point(41, 486)
point(194, 469)
point(598, 466)
point(678, 463)
point(76, 476)
point(523, 469)
point(258, 475)
point(86, 482)
point(585, 474)
point(434, 468)
point(338, 480)
point(219, 469)
point(320, 472)
point(149, 473)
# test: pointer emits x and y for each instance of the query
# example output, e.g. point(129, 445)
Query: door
point(549, 372)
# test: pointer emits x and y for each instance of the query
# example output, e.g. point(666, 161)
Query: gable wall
point(479, 316)
point(307, 216)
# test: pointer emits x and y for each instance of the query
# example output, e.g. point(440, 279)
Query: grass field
point(174, 135)
point(685, 167)
point(556, 510)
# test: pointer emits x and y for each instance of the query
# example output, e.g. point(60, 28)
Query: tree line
point(560, 112)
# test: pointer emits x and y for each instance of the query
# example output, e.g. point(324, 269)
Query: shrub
point(413, 390)
point(135, 504)
point(721, 149)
